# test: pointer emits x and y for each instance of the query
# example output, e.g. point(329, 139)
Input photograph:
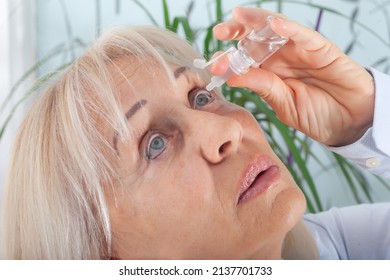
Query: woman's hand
point(311, 85)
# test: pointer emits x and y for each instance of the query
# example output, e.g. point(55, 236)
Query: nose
point(218, 136)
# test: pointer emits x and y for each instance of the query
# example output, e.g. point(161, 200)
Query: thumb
point(304, 37)
point(265, 84)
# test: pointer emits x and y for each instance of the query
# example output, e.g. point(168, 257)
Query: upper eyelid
point(166, 131)
point(195, 90)
point(150, 135)
point(145, 138)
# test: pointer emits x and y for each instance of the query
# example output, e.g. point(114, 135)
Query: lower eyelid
point(194, 93)
point(149, 143)
point(169, 130)
point(147, 140)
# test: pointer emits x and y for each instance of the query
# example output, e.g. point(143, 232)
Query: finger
point(253, 17)
point(302, 36)
point(266, 84)
point(220, 67)
point(230, 30)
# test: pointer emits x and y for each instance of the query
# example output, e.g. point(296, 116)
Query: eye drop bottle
point(251, 51)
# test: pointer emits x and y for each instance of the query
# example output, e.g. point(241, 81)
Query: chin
point(286, 207)
point(291, 204)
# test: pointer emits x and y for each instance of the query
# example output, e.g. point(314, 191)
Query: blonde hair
point(54, 205)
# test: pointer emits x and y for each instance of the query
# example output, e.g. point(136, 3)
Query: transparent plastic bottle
point(251, 51)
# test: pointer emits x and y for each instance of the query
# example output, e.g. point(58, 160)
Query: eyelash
point(194, 93)
point(152, 135)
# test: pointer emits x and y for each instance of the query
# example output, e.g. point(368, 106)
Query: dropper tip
point(199, 63)
point(216, 81)
point(210, 86)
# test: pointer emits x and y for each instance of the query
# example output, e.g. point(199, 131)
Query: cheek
point(166, 217)
point(288, 208)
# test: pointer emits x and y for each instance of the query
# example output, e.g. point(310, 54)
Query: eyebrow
point(138, 105)
point(133, 109)
point(141, 103)
point(179, 71)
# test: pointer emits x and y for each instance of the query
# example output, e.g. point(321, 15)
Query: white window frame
point(17, 56)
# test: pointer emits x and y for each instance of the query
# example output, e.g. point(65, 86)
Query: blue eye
point(156, 146)
point(200, 98)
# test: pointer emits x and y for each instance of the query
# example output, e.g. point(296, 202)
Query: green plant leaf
point(166, 15)
point(219, 18)
point(280, 6)
point(207, 46)
point(218, 10)
point(342, 164)
point(186, 27)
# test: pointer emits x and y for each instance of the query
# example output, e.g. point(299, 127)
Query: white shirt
point(361, 231)
point(372, 151)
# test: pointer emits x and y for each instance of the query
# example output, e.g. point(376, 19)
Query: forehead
point(132, 75)
point(128, 70)
point(134, 80)
point(142, 76)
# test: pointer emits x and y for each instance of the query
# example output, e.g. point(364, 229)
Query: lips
point(259, 176)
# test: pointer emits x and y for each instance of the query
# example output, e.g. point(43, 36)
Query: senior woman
point(128, 156)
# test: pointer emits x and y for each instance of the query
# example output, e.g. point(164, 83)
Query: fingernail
point(236, 85)
point(234, 35)
point(219, 24)
point(281, 23)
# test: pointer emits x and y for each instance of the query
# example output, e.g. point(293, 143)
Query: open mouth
point(259, 178)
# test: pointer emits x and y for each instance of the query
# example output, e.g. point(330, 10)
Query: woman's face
point(198, 179)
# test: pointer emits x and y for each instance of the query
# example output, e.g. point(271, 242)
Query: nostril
point(224, 147)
